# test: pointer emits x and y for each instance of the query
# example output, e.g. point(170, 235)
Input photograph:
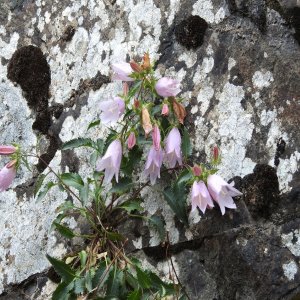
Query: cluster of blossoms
point(8, 173)
point(169, 152)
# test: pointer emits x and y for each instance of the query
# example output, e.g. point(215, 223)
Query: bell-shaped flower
point(167, 87)
point(201, 196)
point(122, 71)
point(111, 110)
point(173, 148)
point(7, 175)
point(222, 192)
point(165, 110)
point(153, 164)
point(7, 150)
point(131, 140)
point(156, 137)
point(111, 161)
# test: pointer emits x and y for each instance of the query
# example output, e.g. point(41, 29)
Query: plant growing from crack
point(150, 119)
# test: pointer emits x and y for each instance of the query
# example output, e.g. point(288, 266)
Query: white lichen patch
point(292, 241)
point(290, 270)
point(7, 49)
point(209, 12)
point(25, 236)
point(262, 79)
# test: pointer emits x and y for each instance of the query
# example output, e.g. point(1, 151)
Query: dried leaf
point(179, 111)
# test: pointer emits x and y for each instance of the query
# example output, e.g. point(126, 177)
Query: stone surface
point(242, 91)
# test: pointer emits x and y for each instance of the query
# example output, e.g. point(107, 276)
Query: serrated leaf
point(63, 230)
point(100, 146)
point(43, 193)
point(158, 223)
point(38, 183)
point(62, 269)
point(143, 278)
point(79, 286)
point(176, 198)
point(93, 158)
point(75, 143)
point(93, 124)
point(124, 185)
point(84, 193)
point(135, 295)
point(72, 179)
point(186, 144)
point(88, 281)
point(132, 205)
point(115, 284)
point(62, 291)
point(131, 280)
point(184, 177)
point(99, 276)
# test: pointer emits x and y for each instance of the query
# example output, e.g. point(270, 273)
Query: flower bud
point(131, 140)
point(125, 88)
point(165, 110)
point(11, 164)
point(197, 171)
point(216, 155)
point(156, 137)
point(7, 150)
point(146, 122)
point(179, 110)
point(135, 67)
point(146, 61)
point(136, 103)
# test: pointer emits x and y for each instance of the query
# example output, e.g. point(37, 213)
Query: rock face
point(240, 76)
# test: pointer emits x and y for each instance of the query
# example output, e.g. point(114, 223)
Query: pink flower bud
point(7, 150)
point(131, 140)
point(167, 87)
point(165, 110)
point(197, 171)
point(125, 88)
point(7, 175)
point(156, 137)
point(216, 153)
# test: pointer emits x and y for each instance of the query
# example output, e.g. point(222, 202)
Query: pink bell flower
point(167, 87)
point(222, 192)
point(201, 196)
point(153, 164)
point(173, 148)
point(111, 110)
point(165, 110)
point(7, 150)
point(156, 137)
point(131, 140)
point(7, 175)
point(111, 161)
point(122, 71)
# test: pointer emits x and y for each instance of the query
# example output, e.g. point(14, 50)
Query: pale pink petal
point(7, 175)
point(167, 87)
point(122, 71)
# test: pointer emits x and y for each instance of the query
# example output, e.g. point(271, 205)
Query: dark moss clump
point(29, 68)
point(294, 15)
point(190, 32)
point(261, 191)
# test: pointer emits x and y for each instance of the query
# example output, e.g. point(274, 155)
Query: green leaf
point(135, 295)
point(158, 223)
point(134, 89)
point(84, 193)
point(131, 280)
point(67, 205)
point(184, 177)
point(72, 179)
point(62, 269)
point(186, 144)
point(38, 183)
point(99, 276)
point(176, 198)
point(100, 146)
point(124, 185)
point(129, 163)
point(93, 124)
point(43, 193)
point(79, 286)
point(64, 231)
point(83, 258)
point(143, 278)
point(93, 158)
point(161, 286)
point(62, 291)
point(115, 284)
point(132, 205)
point(75, 143)
point(88, 281)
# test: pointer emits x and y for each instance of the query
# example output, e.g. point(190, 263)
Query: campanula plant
point(150, 144)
